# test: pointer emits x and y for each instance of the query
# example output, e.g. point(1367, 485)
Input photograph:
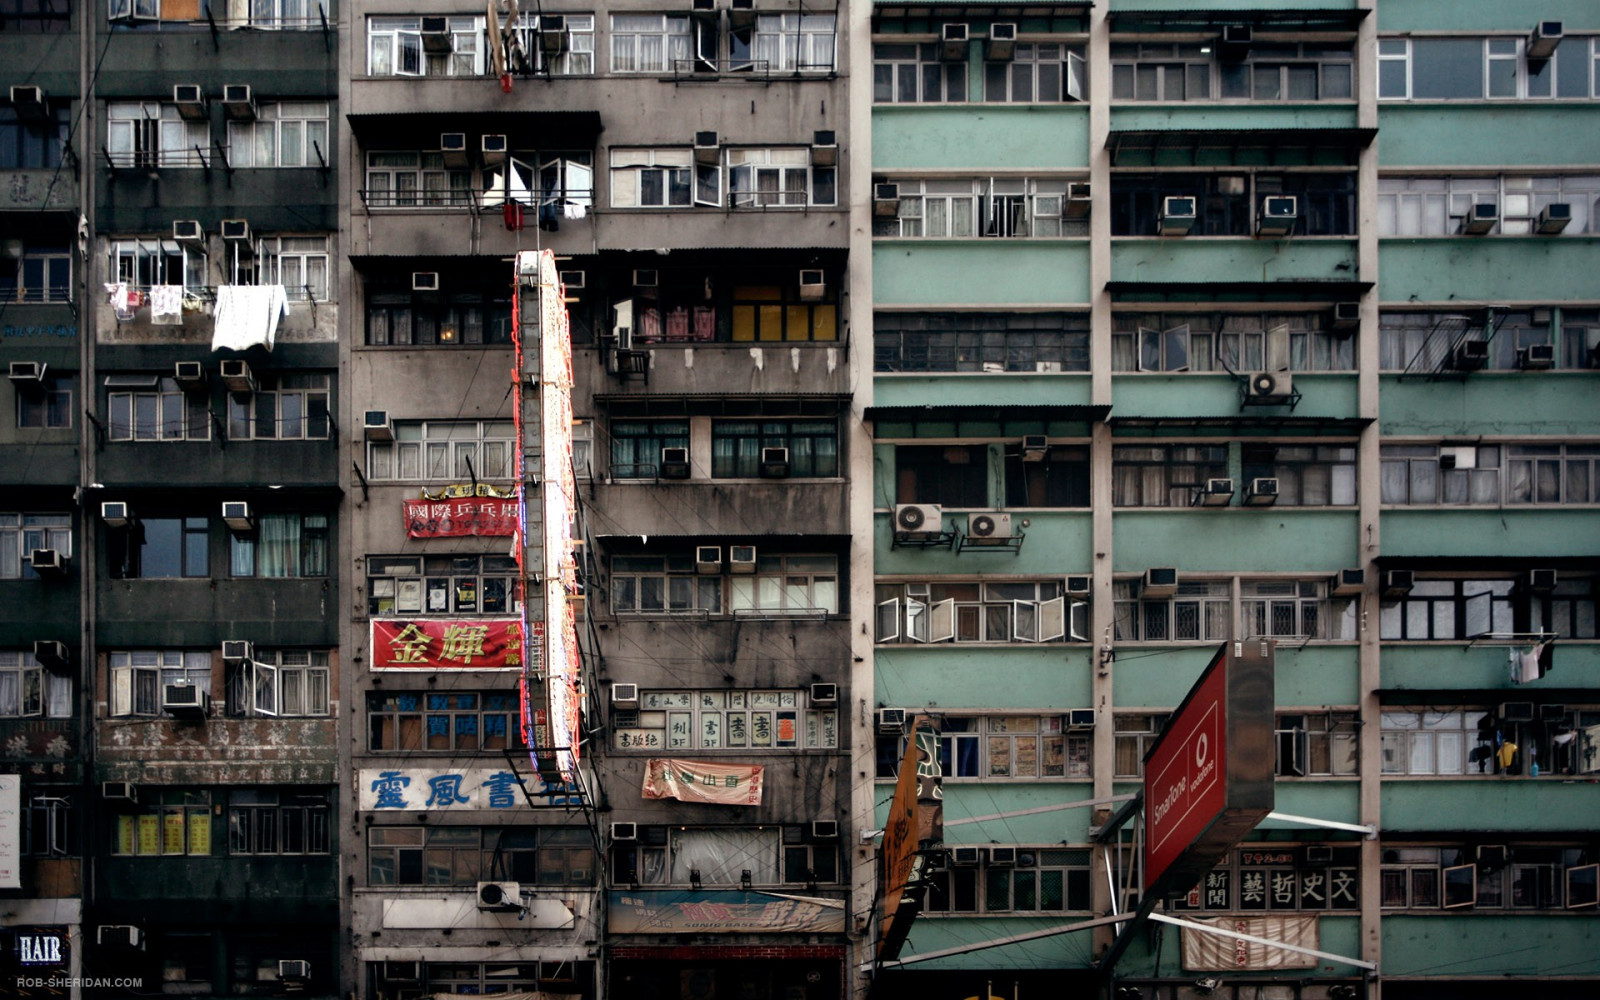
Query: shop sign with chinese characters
point(456, 518)
point(433, 789)
point(442, 643)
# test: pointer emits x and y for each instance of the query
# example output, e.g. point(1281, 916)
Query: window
point(288, 407)
point(284, 134)
point(1220, 342)
point(1014, 881)
point(48, 828)
point(575, 59)
point(1449, 609)
point(980, 342)
point(663, 584)
point(721, 856)
point(298, 263)
point(649, 43)
point(27, 691)
point(1001, 747)
point(737, 446)
point(1227, 204)
point(278, 821)
point(466, 855)
point(403, 318)
point(1323, 744)
point(26, 145)
point(280, 682)
point(1164, 72)
point(916, 73)
point(1059, 479)
point(1439, 742)
point(41, 274)
point(1276, 877)
point(408, 179)
point(718, 720)
point(787, 584)
point(21, 534)
point(1436, 206)
point(787, 43)
point(961, 208)
point(1202, 610)
point(549, 180)
point(459, 583)
point(395, 48)
point(458, 451)
point(1568, 611)
point(636, 445)
point(774, 178)
point(137, 678)
point(1295, 609)
point(143, 263)
point(48, 407)
point(149, 134)
point(457, 721)
point(777, 313)
point(154, 548)
point(1039, 73)
point(974, 611)
point(1271, 72)
point(1477, 68)
point(281, 14)
point(663, 178)
point(1308, 475)
point(948, 475)
point(1421, 341)
point(1554, 474)
point(1533, 876)
point(480, 978)
point(1135, 734)
point(1164, 475)
point(168, 822)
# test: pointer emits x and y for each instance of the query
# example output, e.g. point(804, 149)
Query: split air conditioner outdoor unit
point(824, 694)
point(812, 285)
point(1262, 492)
point(436, 35)
point(918, 518)
point(1481, 218)
point(1271, 386)
point(824, 829)
point(891, 720)
point(238, 650)
point(236, 515)
point(624, 696)
point(741, 558)
point(1159, 581)
point(115, 514)
point(48, 562)
point(988, 527)
point(824, 148)
point(191, 101)
point(1001, 45)
point(294, 969)
point(1396, 583)
point(29, 103)
point(1536, 357)
point(188, 231)
point(376, 426)
point(185, 700)
point(707, 149)
point(237, 102)
point(1278, 215)
point(189, 374)
point(674, 463)
point(953, 42)
point(236, 230)
point(886, 200)
point(1553, 218)
point(1544, 39)
point(624, 831)
point(493, 148)
point(1216, 493)
point(1178, 215)
point(708, 559)
point(1347, 583)
point(500, 897)
point(26, 374)
point(237, 377)
point(774, 463)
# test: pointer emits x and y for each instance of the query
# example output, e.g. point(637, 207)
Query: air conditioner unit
point(424, 281)
point(824, 829)
point(1078, 201)
point(965, 857)
point(294, 969)
point(500, 897)
point(29, 102)
point(376, 426)
point(493, 149)
point(1278, 215)
point(707, 149)
point(1346, 316)
point(1035, 447)
point(1536, 357)
point(574, 281)
point(185, 699)
point(237, 102)
point(1491, 855)
point(646, 278)
point(741, 558)
point(824, 148)
point(1348, 583)
point(624, 831)
point(624, 696)
point(238, 650)
point(48, 562)
point(188, 231)
point(1235, 42)
point(191, 101)
point(1544, 39)
point(118, 935)
point(1553, 218)
point(1216, 493)
point(453, 145)
point(26, 374)
point(918, 518)
point(1178, 215)
point(402, 972)
point(1551, 712)
point(674, 463)
point(812, 285)
point(1540, 581)
point(741, 13)
point(891, 720)
point(236, 515)
point(824, 694)
point(115, 514)
point(1159, 581)
point(981, 527)
point(1458, 457)
point(237, 377)
point(189, 374)
point(1481, 218)
point(1271, 387)
point(553, 34)
point(1397, 583)
point(119, 791)
point(1469, 355)
point(52, 654)
point(1001, 45)
point(774, 463)
point(708, 559)
point(1080, 586)
point(436, 34)
point(1262, 492)
point(1080, 718)
point(886, 200)
point(1319, 854)
point(236, 230)
point(953, 42)
point(1002, 857)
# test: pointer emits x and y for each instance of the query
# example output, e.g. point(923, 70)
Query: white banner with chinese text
point(1204, 952)
point(696, 781)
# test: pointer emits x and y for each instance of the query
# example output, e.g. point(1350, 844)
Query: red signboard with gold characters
point(434, 643)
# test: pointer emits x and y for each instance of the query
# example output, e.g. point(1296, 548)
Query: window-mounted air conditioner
point(52, 654)
point(118, 935)
point(1551, 712)
point(453, 146)
point(236, 515)
point(707, 149)
point(402, 972)
point(1078, 202)
point(236, 230)
point(376, 426)
point(237, 377)
point(188, 232)
point(1458, 457)
point(1516, 711)
point(1346, 316)
point(1481, 218)
point(553, 34)
point(886, 200)
point(294, 969)
point(1492, 855)
point(1397, 583)
point(48, 562)
point(1347, 583)
point(1080, 586)
point(741, 558)
point(574, 281)
point(1216, 493)
point(1080, 718)
point(891, 720)
point(1536, 357)
point(674, 463)
point(191, 101)
point(624, 831)
point(500, 897)
point(424, 281)
point(1159, 581)
point(646, 278)
point(824, 148)
point(185, 700)
point(189, 374)
point(493, 149)
point(953, 42)
point(824, 694)
point(1544, 39)
point(1540, 581)
point(984, 527)
point(1001, 45)
point(237, 102)
point(1271, 387)
point(1262, 492)
point(812, 285)
point(774, 463)
point(1178, 215)
point(702, 6)
point(824, 829)
point(708, 559)
point(26, 374)
point(1469, 355)
point(741, 13)
point(1035, 447)
point(119, 791)
point(29, 102)
point(436, 34)
point(238, 650)
point(1553, 218)
point(1002, 857)
point(965, 857)
point(1234, 44)
point(1279, 213)
point(624, 695)
point(115, 514)
point(918, 518)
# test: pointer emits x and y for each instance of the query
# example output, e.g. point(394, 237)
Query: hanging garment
point(574, 210)
point(1507, 755)
point(247, 315)
point(166, 305)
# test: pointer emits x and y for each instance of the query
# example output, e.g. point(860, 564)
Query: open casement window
point(1460, 887)
point(708, 185)
point(1076, 84)
point(134, 690)
point(1039, 621)
point(1164, 350)
point(1583, 887)
point(912, 620)
point(263, 679)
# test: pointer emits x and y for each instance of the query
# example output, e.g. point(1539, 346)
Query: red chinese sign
point(432, 643)
point(459, 517)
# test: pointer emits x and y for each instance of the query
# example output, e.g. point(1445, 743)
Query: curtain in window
point(278, 545)
point(721, 856)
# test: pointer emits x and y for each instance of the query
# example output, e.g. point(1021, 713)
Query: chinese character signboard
point(10, 831)
point(694, 781)
point(434, 643)
point(712, 911)
point(1204, 952)
point(458, 789)
point(457, 518)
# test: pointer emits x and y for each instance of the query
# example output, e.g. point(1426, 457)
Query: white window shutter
point(889, 620)
point(942, 621)
point(1078, 621)
point(121, 691)
point(1025, 621)
point(916, 621)
point(1076, 83)
point(1052, 619)
point(264, 684)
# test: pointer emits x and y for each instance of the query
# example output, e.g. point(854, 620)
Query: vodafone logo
point(1202, 747)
